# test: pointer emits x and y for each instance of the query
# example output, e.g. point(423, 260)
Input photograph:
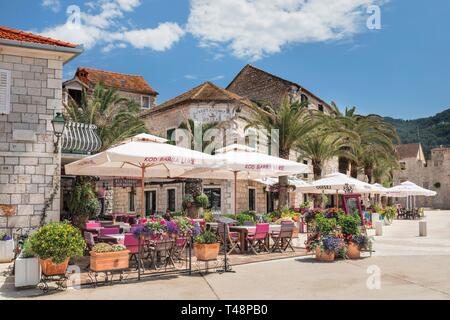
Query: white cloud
point(253, 29)
point(102, 25)
point(191, 76)
point(54, 5)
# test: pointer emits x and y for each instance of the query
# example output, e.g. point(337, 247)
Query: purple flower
point(142, 231)
point(172, 227)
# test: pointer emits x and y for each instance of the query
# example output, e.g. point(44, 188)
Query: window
point(171, 135)
point(5, 91)
point(403, 165)
point(215, 198)
point(252, 199)
point(320, 107)
point(131, 206)
point(171, 200)
point(303, 98)
point(145, 102)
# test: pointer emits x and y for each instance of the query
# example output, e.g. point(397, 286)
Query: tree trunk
point(317, 169)
point(354, 170)
point(368, 171)
point(283, 196)
point(343, 165)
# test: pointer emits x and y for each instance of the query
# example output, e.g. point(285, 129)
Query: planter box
point(324, 256)
point(206, 252)
point(109, 261)
point(27, 272)
point(51, 269)
point(6, 251)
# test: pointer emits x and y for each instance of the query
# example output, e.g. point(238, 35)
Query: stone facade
point(433, 174)
point(29, 168)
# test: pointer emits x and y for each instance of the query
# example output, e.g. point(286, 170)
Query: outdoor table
point(120, 238)
point(245, 230)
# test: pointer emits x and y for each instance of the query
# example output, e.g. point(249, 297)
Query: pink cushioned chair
point(106, 231)
point(132, 244)
point(257, 241)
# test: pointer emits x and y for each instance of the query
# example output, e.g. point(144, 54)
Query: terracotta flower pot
point(108, 261)
point(353, 251)
point(206, 252)
point(52, 269)
point(324, 255)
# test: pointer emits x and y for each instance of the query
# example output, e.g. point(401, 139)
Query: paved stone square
point(410, 267)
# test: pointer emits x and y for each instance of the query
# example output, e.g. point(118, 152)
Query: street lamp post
point(58, 124)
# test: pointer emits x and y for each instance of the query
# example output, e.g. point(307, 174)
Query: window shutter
point(5, 91)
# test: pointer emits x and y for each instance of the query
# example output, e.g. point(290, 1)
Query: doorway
point(150, 202)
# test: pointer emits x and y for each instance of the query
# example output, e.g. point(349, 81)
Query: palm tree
point(292, 120)
point(116, 117)
point(320, 146)
point(189, 126)
point(372, 138)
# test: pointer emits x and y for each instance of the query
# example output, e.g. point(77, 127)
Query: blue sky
point(402, 70)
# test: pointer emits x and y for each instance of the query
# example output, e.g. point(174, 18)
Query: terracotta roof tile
point(407, 150)
point(203, 93)
point(124, 82)
point(17, 35)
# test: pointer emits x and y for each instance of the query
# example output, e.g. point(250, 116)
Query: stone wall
point(431, 174)
point(28, 166)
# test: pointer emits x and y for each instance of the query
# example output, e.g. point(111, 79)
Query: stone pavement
point(409, 267)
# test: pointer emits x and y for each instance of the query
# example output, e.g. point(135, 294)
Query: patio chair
point(90, 243)
point(232, 238)
point(92, 225)
point(132, 244)
point(283, 239)
point(257, 241)
point(401, 213)
point(163, 250)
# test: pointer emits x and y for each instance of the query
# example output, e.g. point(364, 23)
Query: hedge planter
point(206, 252)
point(52, 269)
point(353, 251)
point(27, 272)
point(108, 261)
point(325, 256)
point(6, 251)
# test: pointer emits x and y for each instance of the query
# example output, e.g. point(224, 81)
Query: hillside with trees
point(431, 132)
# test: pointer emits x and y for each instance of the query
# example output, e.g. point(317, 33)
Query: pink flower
point(163, 222)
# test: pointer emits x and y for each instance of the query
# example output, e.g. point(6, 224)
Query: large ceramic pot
point(353, 251)
point(52, 269)
point(324, 255)
point(27, 272)
point(108, 261)
point(206, 252)
point(6, 251)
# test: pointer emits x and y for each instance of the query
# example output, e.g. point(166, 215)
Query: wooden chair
point(162, 249)
point(282, 240)
point(232, 238)
point(401, 213)
point(257, 241)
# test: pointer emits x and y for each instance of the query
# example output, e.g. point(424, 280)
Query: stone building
point(31, 72)
point(133, 87)
point(433, 174)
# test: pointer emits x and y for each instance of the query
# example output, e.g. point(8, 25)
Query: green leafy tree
point(116, 117)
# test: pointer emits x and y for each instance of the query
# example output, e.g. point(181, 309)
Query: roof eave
point(31, 45)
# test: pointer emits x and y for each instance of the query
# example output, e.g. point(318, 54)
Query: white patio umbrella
point(141, 156)
point(292, 181)
point(409, 189)
point(337, 183)
point(240, 162)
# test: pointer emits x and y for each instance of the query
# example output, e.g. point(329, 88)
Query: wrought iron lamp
point(59, 124)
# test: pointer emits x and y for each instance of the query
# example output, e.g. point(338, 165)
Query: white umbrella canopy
point(337, 183)
point(240, 162)
point(292, 181)
point(409, 188)
point(141, 156)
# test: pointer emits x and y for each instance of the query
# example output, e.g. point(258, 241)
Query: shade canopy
point(160, 160)
point(337, 183)
point(246, 163)
point(292, 181)
point(409, 188)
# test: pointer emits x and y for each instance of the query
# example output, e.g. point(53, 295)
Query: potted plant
point(327, 247)
point(106, 257)
point(54, 244)
point(358, 243)
point(349, 226)
point(206, 246)
point(6, 248)
point(27, 271)
point(388, 215)
point(202, 203)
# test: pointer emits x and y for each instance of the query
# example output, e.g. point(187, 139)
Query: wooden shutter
point(5, 91)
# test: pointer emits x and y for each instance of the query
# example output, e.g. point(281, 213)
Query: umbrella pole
point(337, 199)
point(142, 192)
point(235, 192)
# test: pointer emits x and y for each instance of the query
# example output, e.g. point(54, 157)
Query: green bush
point(349, 224)
point(325, 225)
point(27, 252)
point(57, 241)
point(243, 217)
point(206, 237)
point(202, 201)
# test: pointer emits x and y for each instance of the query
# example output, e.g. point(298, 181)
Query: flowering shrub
point(158, 226)
point(57, 241)
point(325, 226)
point(332, 244)
point(362, 241)
point(349, 224)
